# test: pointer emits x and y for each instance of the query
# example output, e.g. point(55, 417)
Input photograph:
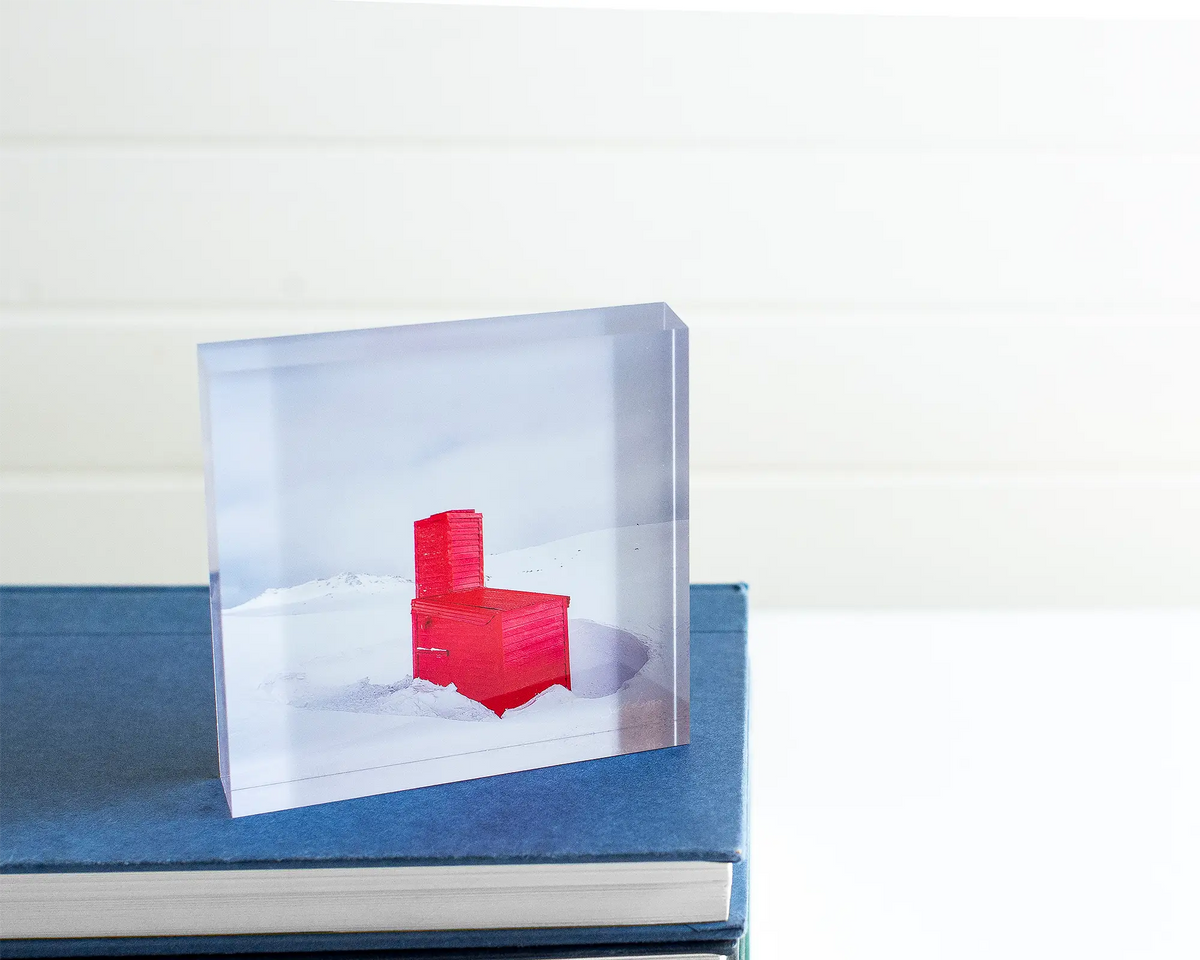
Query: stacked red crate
point(499, 647)
point(449, 552)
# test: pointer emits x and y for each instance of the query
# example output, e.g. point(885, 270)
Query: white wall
point(941, 274)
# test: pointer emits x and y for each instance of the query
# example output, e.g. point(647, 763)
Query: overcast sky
point(322, 468)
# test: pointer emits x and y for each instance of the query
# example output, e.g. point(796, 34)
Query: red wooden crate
point(449, 552)
point(498, 647)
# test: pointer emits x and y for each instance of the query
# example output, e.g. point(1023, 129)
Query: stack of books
point(115, 838)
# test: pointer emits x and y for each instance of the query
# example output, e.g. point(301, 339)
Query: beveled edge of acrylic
point(228, 356)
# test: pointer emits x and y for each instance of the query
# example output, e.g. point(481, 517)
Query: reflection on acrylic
point(367, 635)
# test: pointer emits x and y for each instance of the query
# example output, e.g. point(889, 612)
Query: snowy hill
point(619, 577)
point(589, 568)
point(329, 593)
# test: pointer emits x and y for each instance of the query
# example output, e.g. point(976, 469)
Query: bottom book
point(696, 950)
point(116, 839)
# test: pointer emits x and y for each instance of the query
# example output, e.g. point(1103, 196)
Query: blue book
point(115, 837)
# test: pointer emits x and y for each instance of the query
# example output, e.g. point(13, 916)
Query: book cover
point(109, 761)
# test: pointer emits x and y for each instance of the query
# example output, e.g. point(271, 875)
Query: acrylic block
point(446, 551)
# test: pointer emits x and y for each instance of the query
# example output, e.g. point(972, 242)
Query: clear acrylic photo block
point(446, 551)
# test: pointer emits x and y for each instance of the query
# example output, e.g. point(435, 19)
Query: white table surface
point(975, 784)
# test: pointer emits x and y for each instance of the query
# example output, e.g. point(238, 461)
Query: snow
point(404, 698)
point(603, 658)
point(319, 678)
point(343, 591)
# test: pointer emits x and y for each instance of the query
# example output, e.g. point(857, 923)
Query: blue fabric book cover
point(109, 764)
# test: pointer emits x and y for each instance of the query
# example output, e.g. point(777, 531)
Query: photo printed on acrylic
point(446, 551)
